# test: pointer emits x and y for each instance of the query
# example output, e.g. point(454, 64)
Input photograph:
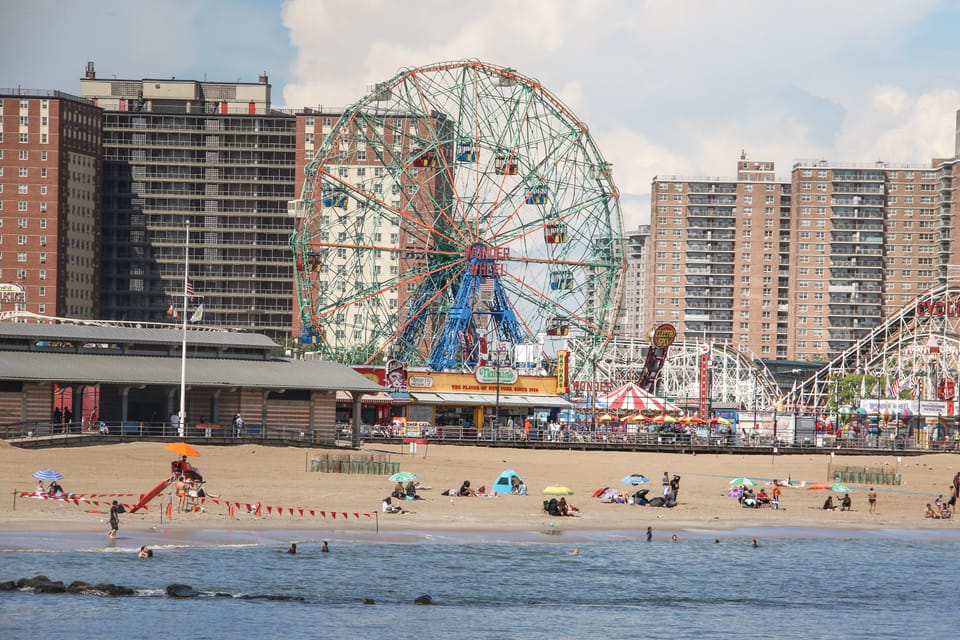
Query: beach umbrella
point(557, 490)
point(47, 474)
point(743, 482)
point(182, 448)
point(403, 476)
point(635, 479)
point(663, 419)
point(605, 418)
point(832, 486)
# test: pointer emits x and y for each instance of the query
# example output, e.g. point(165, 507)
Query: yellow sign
point(562, 381)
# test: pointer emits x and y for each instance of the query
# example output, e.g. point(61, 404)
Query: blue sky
point(675, 87)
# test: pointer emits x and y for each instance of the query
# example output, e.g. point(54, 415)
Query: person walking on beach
point(776, 495)
point(114, 518)
point(237, 425)
point(666, 484)
point(872, 500)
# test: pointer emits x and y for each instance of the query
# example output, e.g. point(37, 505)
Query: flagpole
point(181, 428)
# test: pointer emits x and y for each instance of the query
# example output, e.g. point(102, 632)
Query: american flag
point(894, 386)
point(189, 291)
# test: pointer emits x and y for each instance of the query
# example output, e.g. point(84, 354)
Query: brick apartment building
point(50, 203)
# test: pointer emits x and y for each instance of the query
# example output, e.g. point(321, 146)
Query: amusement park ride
point(456, 209)
point(460, 208)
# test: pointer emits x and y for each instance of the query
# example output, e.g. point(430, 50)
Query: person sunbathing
point(389, 507)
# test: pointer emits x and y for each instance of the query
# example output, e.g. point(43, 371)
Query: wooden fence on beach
point(376, 464)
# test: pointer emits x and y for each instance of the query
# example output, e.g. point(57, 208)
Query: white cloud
point(674, 87)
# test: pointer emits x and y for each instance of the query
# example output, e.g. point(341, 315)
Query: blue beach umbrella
point(635, 479)
point(403, 476)
point(47, 474)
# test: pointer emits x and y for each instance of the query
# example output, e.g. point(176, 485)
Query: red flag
point(301, 513)
point(269, 509)
point(356, 515)
point(323, 514)
point(313, 512)
point(334, 514)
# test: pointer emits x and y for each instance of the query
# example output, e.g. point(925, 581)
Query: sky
point(676, 87)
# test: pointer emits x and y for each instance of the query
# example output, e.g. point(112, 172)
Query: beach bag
point(657, 502)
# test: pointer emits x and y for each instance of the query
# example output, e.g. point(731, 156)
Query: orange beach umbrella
point(182, 448)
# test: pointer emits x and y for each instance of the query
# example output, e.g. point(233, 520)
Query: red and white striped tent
point(630, 397)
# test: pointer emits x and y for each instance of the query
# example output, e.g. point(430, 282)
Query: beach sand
point(278, 477)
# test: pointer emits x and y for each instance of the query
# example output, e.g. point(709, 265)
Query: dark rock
point(274, 598)
point(181, 591)
point(49, 587)
point(27, 583)
point(424, 599)
point(9, 585)
point(221, 594)
point(101, 589)
point(368, 601)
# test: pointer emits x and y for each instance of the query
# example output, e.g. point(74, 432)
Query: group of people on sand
point(556, 507)
point(845, 503)
point(408, 492)
point(188, 485)
point(54, 490)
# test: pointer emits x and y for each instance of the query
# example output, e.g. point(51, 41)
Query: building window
point(24, 154)
point(21, 256)
point(24, 138)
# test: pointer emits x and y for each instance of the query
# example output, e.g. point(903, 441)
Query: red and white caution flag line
point(255, 508)
point(77, 498)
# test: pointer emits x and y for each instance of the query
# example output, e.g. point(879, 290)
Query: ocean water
point(797, 584)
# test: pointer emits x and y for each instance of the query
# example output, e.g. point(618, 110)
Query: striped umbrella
point(631, 397)
point(47, 474)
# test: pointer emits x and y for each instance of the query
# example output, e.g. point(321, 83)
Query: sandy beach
point(279, 478)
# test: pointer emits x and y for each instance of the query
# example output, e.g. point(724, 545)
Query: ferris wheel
point(456, 210)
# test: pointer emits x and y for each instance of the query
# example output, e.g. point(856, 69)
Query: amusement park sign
point(939, 308)
point(916, 407)
point(489, 375)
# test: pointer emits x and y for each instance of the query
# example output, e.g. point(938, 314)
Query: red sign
point(663, 336)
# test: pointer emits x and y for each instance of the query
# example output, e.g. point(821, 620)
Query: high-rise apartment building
point(631, 321)
point(718, 252)
point(50, 195)
point(215, 155)
point(798, 269)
